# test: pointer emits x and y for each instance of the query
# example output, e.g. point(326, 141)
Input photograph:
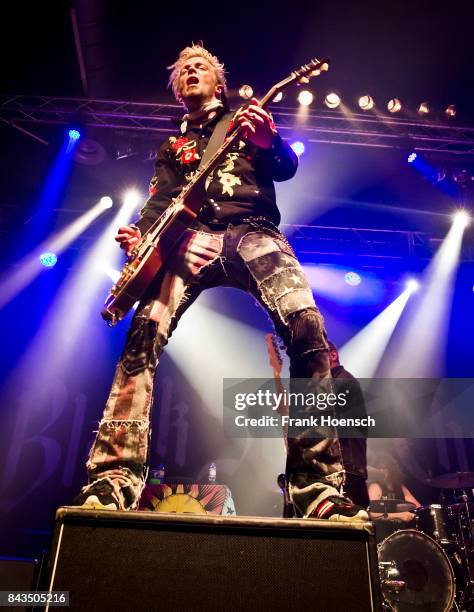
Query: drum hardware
point(415, 573)
point(390, 577)
point(432, 566)
point(438, 522)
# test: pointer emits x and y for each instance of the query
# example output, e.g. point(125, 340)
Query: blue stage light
point(74, 134)
point(48, 260)
point(352, 278)
point(298, 147)
point(411, 158)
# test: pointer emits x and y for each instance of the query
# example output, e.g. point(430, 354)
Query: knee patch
point(141, 350)
point(307, 332)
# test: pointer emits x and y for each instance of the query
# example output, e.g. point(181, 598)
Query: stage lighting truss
point(329, 126)
point(366, 247)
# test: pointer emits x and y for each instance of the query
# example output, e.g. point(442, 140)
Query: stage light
point(106, 202)
point(298, 147)
point(363, 353)
point(28, 268)
point(332, 100)
point(74, 134)
point(462, 218)
point(112, 273)
point(352, 278)
point(450, 111)
point(329, 281)
point(305, 97)
point(423, 109)
point(411, 158)
point(131, 199)
point(394, 105)
point(246, 92)
point(421, 348)
point(278, 97)
point(48, 260)
point(366, 102)
point(412, 285)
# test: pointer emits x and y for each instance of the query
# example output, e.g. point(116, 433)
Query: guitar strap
point(217, 138)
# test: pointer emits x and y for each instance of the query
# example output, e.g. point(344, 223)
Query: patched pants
point(254, 257)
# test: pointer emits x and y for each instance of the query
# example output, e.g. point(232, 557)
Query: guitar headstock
point(303, 75)
point(313, 68)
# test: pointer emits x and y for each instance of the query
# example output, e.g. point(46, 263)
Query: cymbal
point(452, 480)
point(391, 505)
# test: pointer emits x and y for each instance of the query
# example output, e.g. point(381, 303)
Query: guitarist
point(234, 242)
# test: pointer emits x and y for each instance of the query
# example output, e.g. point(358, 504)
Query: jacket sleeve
point(284, 162)
point(164, 186)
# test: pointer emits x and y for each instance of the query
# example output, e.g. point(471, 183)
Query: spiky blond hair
point(195, 50)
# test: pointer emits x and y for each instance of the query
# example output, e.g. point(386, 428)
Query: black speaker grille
point(209, 567)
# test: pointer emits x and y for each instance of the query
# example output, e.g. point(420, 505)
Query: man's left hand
point(257, 123)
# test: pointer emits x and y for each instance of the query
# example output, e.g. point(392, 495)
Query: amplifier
point(146, 560)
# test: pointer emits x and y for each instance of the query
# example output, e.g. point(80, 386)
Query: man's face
point(197, 82)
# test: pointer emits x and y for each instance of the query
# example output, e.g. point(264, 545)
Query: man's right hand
point(128, 237)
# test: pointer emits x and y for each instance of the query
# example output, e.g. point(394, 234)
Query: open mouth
point(192, 80)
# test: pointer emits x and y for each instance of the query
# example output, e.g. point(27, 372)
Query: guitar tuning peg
point(316, 72)
point(324, 67)
point(303, 80)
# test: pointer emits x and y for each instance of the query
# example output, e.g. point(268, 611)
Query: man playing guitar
point(234, 241)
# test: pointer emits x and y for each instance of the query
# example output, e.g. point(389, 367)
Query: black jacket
point(242, 184)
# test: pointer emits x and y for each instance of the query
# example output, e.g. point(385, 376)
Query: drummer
point(389, 486)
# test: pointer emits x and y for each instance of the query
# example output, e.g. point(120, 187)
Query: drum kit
point(431, 567)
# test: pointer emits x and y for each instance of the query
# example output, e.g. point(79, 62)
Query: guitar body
point(158, 243)
point(155, 248)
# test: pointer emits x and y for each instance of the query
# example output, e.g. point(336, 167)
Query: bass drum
point(420, 577)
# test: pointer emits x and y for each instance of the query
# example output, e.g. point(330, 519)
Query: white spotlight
point(332, 100)
point(106, 202)
point(305, 97)
point(412, 285)
point(246, 92)
point(450, 110)
point(131, 198)
point(423, 108)
point(462, 217)
point(278, 97)
point(394, 105)
point(366, 102)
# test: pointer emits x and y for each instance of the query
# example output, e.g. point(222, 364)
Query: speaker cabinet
point(154, 561)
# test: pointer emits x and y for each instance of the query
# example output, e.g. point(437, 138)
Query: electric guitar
point(155, 246)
